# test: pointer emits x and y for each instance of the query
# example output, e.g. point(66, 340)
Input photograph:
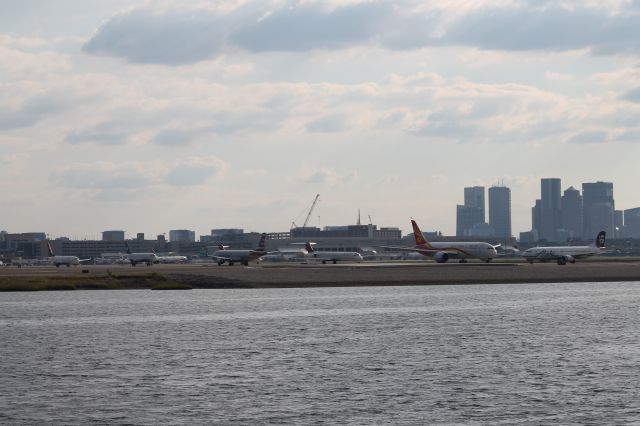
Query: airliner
point(443, 251)
point(241, 256)
point(564, 254)
point(173, 259)
point(135, 258)
point(332, 256)
point(63, 260)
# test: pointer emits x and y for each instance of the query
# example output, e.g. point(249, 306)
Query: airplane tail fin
point(262, 244)
point(308, 247)
point(417, 233)
point(49, 249)
point(600, 239)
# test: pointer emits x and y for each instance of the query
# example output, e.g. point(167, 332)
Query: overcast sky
point(155, 115)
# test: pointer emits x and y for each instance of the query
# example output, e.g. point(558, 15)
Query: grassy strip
point(109, 282)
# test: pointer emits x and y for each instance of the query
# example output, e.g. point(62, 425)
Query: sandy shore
point(294, 275)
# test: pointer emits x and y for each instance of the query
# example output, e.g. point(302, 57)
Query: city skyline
point(153, 115)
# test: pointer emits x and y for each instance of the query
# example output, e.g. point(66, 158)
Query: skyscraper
point(471, 214)
point(572, 212)
point(550, 213)
point(500, 211)
point(536, 217)
point(474, 197)
point(598, 208)
point(632, 223)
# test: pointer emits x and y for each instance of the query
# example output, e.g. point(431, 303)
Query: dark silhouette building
point(550, 212)
point(598, 208)
point(470, 216)
point(500, 211)
point(572, 213)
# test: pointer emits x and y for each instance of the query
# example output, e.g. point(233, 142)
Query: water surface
point(510, 354)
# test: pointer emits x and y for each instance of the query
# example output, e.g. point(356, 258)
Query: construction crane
point(313, 205)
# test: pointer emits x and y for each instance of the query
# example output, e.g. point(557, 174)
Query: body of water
point(498, 354)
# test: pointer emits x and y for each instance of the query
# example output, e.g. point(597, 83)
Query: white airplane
point(332, 256)
point(63, 260)
point(172, 259)
point(241, 256)
point(443, 251)
point(135, 258)
point(564, 254)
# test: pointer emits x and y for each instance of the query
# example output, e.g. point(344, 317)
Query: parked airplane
point(443, 251)
point(241, 256)
point(135, 258)
point(564, 254)
point(63, 260)
point(172, 259)
point(332, 256)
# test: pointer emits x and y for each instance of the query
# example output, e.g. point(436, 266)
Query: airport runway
point(360, 274)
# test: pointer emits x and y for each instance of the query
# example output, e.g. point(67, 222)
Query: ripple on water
point(500, 354)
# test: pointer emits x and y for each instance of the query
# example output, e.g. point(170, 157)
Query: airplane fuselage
point(442, 251)
point(147, 258)
point(233, 256)
point(562, 254)
point(64, 260)
point(335, 256)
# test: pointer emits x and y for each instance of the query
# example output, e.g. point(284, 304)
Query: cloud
point(589, 137)
point(173, 37)
point(178, 36)
point(32, 111)
point(632, 95)
point(328, 176)
point(308, 27)
point(109, 176)
point(195, 171)
point(328, 124)
point(174, 137)
point(106, 175)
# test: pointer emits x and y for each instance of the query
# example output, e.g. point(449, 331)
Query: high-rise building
point(470, 216)
point(474, 197)
point(182, 236)
point(500, 211)
point(632, 223)
point(572, 213)
point(536, 218)
point(113, 236)
point(598, 208)
point(550, 213)
point(618, 223)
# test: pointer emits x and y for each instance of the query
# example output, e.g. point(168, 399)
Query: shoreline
point(174, 277)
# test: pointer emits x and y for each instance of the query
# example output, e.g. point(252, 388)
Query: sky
point(151, 115)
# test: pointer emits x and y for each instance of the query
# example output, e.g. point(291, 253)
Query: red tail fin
point(417, 233)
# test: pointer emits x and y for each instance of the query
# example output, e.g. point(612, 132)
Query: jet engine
point(564, 259)
point(441, 256)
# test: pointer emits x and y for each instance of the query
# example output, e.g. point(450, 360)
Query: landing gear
point(335, 261)
point(324, 262)
point(488, 260)
point(231, 263)
point(462, 261)
point(68, 265)
point(220, 262)
point(245, 263)
point(562, 261)
point(148, 263)
point(57, 265)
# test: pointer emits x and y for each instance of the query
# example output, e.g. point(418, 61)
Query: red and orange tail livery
point(420, 240)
